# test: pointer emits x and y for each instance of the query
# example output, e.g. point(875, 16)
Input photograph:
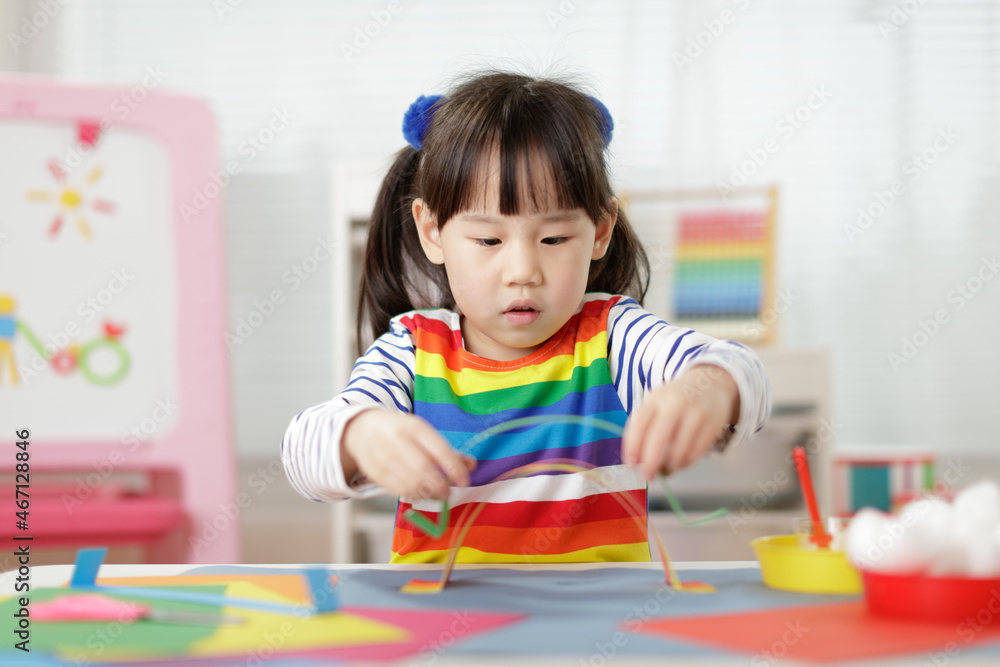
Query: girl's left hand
point(680, 421)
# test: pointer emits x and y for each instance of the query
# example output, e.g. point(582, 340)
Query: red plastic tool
point(819, 536)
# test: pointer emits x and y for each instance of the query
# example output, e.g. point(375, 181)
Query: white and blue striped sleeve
point(310, 450)
point(645, 352)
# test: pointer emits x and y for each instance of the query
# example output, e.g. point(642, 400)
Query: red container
point(945, 599)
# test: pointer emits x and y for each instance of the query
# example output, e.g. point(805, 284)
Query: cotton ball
point(979, 504)
point(950, 562)
point(930, 519)
point(861, 534)
point(972, 546)
point(983, 557)
point(878, 542)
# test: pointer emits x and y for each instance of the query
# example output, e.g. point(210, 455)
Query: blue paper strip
point(324, 598)
point(88, 562)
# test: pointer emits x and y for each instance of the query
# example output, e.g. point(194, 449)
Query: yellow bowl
point(789, 567)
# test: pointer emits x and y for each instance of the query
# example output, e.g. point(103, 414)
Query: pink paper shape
point(822, 634)
point(431, 630)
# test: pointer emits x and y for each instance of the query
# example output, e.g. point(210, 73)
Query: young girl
point(502, 281)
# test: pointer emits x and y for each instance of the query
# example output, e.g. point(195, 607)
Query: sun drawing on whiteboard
point(73, 201)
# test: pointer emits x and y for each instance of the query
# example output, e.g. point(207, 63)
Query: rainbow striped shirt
point(602, 363)
point(550, 517)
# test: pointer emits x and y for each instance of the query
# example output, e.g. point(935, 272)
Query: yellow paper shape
point(266, 633)
point(422, 586)
point(696, 587)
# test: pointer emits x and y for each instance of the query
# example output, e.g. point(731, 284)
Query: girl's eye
point(553, 240)
point(488, 242)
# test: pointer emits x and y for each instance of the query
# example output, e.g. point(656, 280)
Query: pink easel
point(187, 515)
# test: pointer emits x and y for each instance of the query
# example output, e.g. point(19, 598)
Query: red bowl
point(919, 597)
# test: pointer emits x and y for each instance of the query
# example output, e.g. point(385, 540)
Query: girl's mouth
point(521, 315)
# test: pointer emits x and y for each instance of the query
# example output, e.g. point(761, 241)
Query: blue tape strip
point(88, 562)
point(324, 598)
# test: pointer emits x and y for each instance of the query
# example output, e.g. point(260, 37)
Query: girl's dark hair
point(519, 117)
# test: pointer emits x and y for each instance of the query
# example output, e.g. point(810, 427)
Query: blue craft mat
point(573, 613)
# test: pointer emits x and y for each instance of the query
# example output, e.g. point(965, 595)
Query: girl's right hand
point(403, 454)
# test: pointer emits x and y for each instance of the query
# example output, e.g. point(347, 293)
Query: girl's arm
point(368, 431)
point(311, 449)
point(723, 382)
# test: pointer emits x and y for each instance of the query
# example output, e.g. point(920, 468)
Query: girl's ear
point(427, 229)
point(605, 225)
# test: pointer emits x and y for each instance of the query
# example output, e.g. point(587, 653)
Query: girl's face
point(517, 279)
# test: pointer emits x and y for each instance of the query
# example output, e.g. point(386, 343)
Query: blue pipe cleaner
point(417, 118)
point(607, 125)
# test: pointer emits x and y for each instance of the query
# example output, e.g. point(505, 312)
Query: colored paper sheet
point(606, 592)
point(287, 583)
point(570, 612)
point(423, 587)
point(358, 633)
point(113, 642)
point(432, 633)
point(578, 613)
point(817, 634)
point(96, 641)
point(281, 633)
point(21, 659)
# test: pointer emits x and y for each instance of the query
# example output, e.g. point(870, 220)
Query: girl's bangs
point(542, 163)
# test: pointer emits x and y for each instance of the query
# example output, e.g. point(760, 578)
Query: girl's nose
point(522, 266)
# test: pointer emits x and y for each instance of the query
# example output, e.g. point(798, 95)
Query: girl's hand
point(403, 454)
point(679, 421)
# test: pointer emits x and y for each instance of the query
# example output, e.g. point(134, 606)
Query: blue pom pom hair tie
point(418, 118)
point(607, 125)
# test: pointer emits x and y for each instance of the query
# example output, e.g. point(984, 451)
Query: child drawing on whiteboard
point(502, 280)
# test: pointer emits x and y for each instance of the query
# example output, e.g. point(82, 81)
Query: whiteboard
point(111, 261)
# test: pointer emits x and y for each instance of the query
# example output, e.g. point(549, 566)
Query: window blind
point(856, 96)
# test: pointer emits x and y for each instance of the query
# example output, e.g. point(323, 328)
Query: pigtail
point(396, 276)
point(624, 269)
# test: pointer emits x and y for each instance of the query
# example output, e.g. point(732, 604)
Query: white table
point(59, 575)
